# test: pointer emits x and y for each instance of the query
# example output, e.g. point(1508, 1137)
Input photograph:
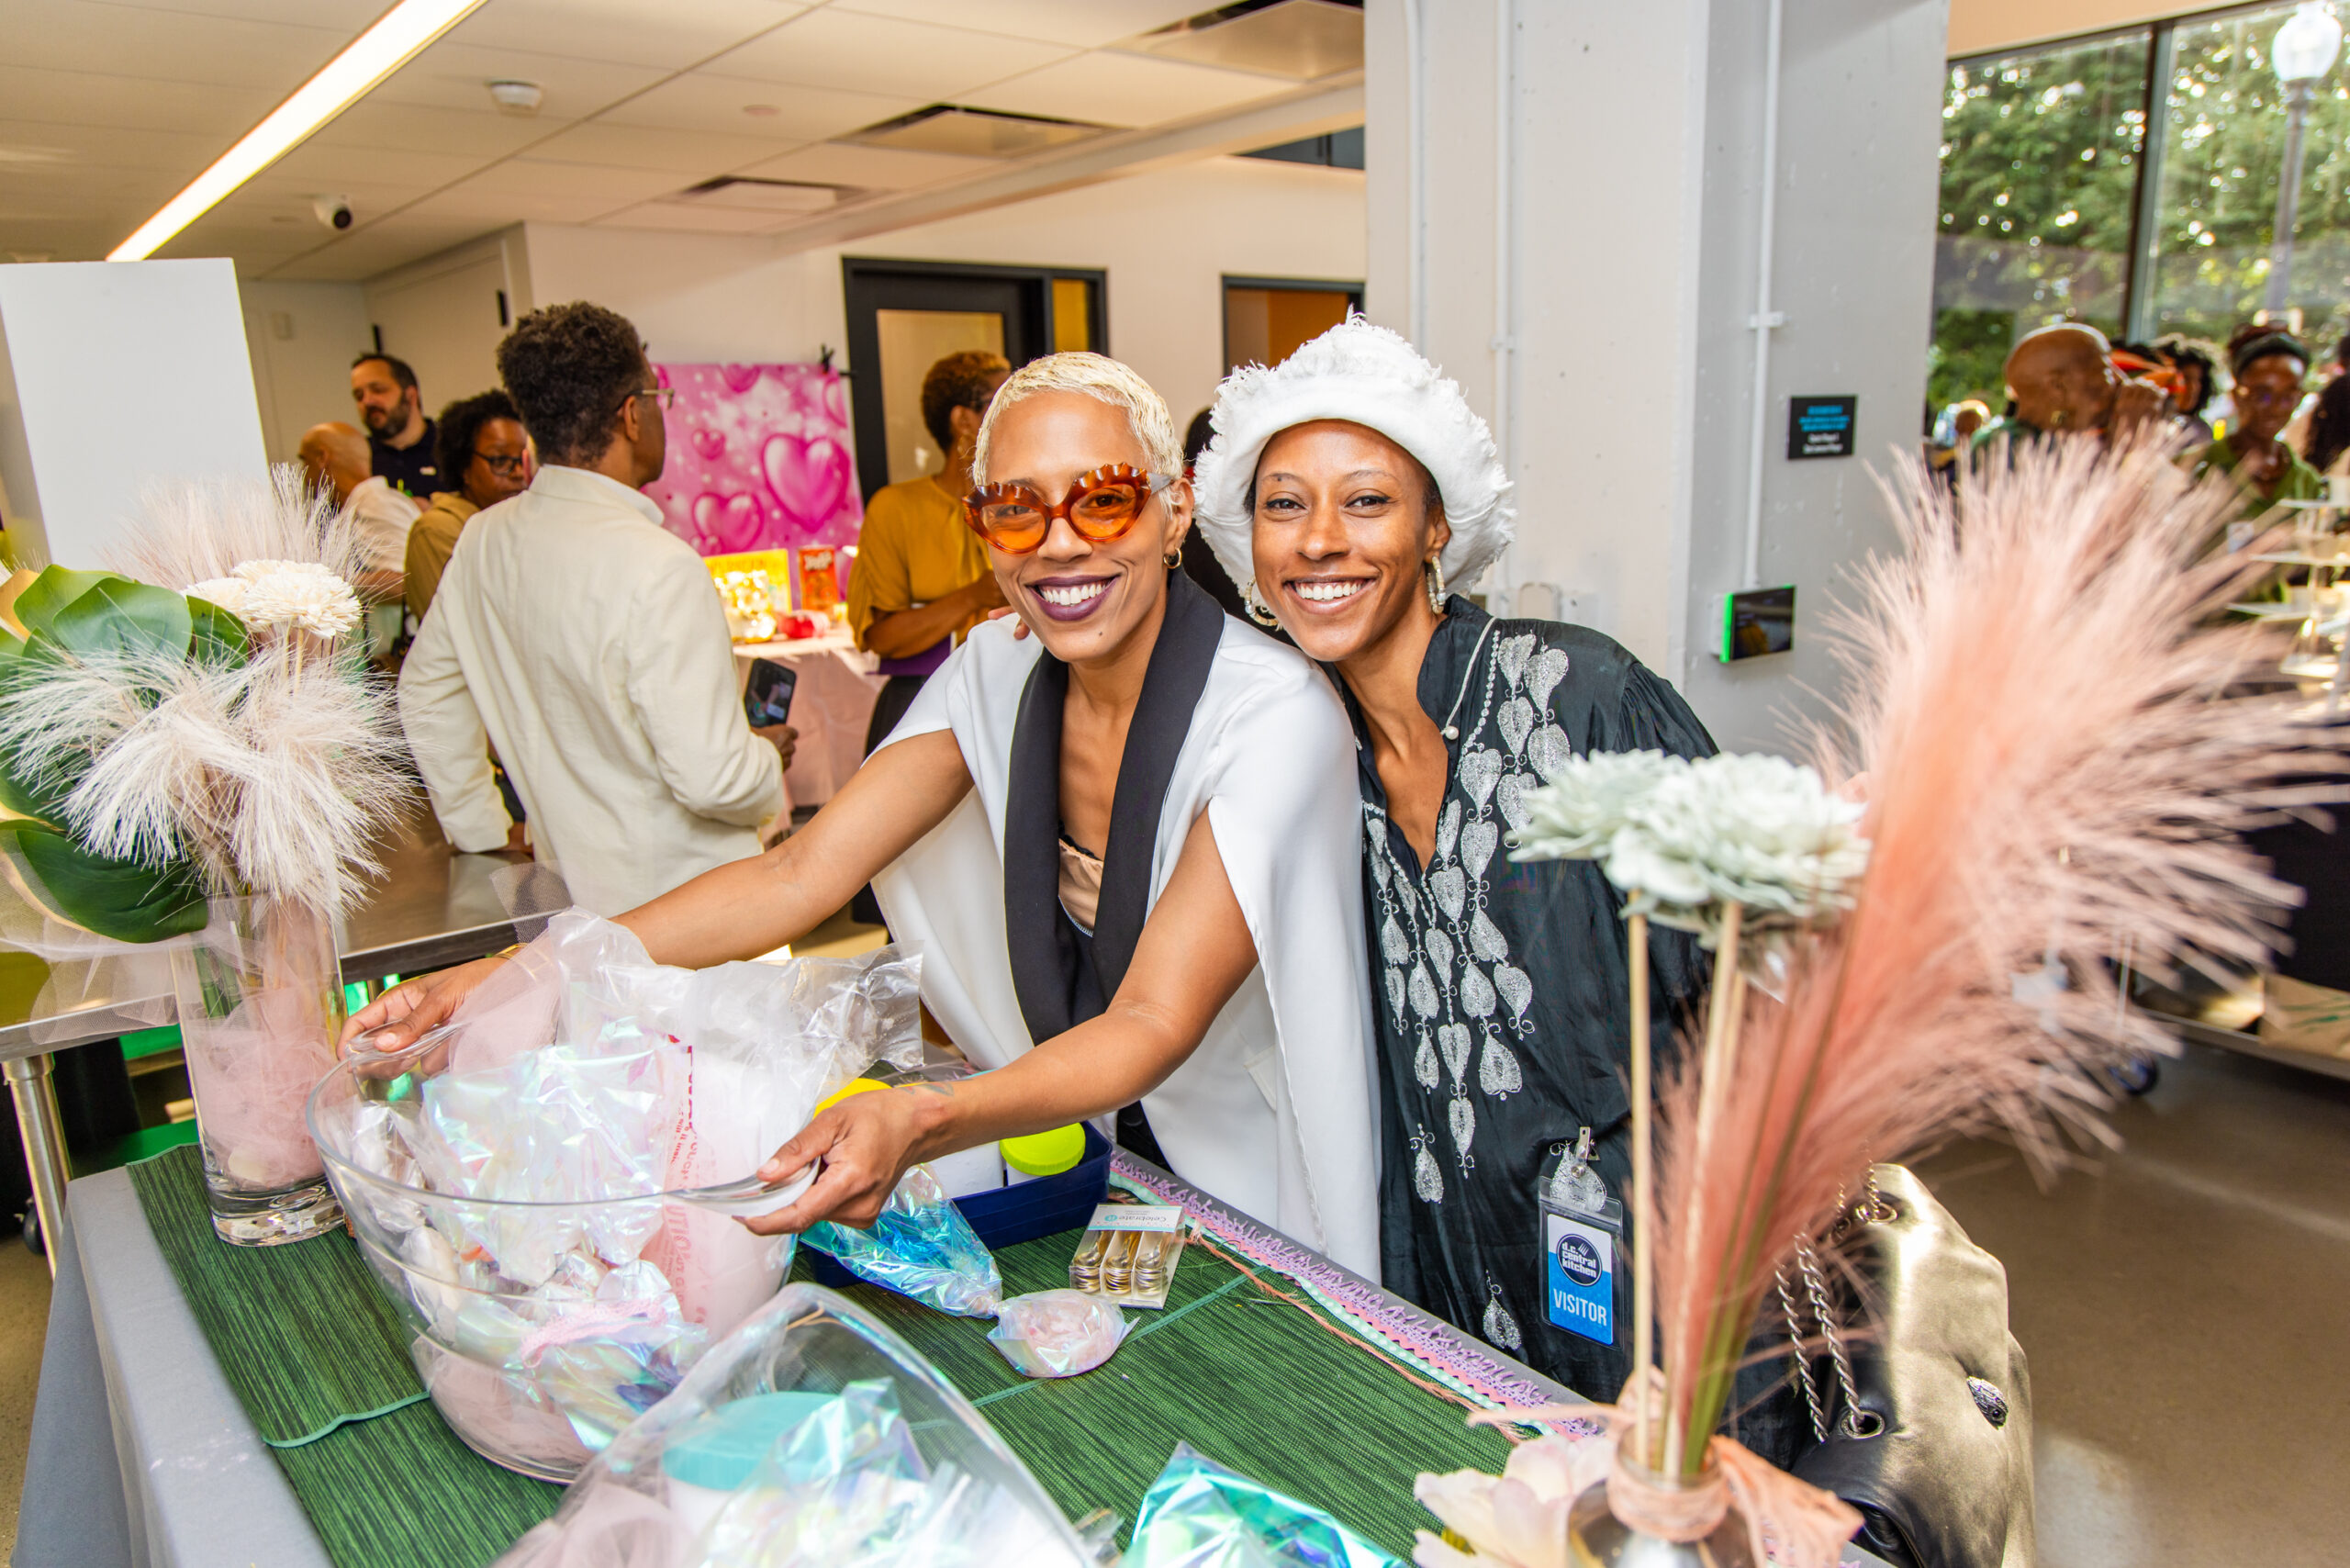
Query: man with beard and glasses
point(400, 440)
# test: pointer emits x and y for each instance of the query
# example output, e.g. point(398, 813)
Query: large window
point(2040, 179)
point(2060, 201)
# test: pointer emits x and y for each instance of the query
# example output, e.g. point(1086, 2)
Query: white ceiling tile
point(27, 145)
point(1126, 89)
point(883, 54)
point(399, 127)
point(495, 209)
point(452, 75)
point(881, 168)
point(1081, 23)
point(703, 101)
point(353, 17)
point(316, 166)
point(80, 97)
point(168, 46)
point(692, 218)
point(365, 254)
point(645, 147)
point(611, 187)
point(631, 33)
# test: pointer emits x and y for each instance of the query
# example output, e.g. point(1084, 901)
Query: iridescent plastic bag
point(1200, 1515)
point(811, 1437)
point(920, 1246)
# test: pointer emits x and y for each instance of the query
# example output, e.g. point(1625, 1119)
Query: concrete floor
point(2183, 1305)
point(24, 1321)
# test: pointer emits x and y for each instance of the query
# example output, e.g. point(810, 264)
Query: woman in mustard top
point(921, 577)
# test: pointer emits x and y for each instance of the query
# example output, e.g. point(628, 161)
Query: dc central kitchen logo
point(1579, 1260)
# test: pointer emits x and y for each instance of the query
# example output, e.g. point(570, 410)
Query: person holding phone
point(1127, 845)
point(581, 639)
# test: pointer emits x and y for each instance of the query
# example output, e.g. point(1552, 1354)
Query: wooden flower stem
point(1643, 1197)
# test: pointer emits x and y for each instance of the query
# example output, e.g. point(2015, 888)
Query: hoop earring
point(1257, 610)
point(1172, 559)
point(1436, 584)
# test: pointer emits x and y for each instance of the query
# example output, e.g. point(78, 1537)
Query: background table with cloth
point(176, 1368)
point(830, 708)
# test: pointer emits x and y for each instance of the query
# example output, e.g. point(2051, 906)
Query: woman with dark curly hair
point(485, 455)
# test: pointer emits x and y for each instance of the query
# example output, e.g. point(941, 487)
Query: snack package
point(1057, 1333)
point(811, 1437)
point(522, 1181)
point(1200, 1515)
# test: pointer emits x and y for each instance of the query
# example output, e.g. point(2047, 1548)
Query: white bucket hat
point(1369, 376)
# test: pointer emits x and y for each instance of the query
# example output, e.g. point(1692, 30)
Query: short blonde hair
point(1103, 379)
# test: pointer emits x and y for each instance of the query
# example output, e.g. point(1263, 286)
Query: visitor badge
point(1578, 1270)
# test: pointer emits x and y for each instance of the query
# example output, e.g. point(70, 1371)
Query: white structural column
point(1590, 219)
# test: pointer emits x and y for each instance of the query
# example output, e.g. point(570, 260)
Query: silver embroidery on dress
point(1501, 1328)
point(1446, 961)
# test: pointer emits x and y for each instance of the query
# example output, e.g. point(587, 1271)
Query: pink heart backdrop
point(758, 458)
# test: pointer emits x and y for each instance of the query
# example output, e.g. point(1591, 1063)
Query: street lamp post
point(2302, 52)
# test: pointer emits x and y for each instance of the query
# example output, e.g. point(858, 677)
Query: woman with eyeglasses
point(481, 446)
point(1127, 845)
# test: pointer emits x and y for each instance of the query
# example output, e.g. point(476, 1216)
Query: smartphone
point(767, 698)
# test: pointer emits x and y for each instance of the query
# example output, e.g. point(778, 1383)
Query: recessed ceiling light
point(761, 111)
point(397, 36)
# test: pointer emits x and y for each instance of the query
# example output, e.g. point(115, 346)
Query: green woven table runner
point(304, 1335)
point(1253, 1382)
point(308, 1341)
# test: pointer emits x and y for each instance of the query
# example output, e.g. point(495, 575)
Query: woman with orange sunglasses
point(1128, 846)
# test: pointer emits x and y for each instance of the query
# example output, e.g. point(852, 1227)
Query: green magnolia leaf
point(120, 898)
point(118, 616)
point(56, 587)
point(219, 639)
point(22, 790)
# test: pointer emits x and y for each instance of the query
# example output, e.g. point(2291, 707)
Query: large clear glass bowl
point(536, 1369)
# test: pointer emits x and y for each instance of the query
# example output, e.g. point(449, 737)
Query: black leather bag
point(1926, 1428)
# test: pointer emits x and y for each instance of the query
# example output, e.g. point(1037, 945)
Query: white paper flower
point(1579, 815)
point(1760, 832)
point(300, 594)
point(228, 593)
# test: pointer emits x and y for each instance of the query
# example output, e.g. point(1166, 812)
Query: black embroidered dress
point(1504, 1006)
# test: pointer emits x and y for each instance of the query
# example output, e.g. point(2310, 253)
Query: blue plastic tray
point(1010, 1215)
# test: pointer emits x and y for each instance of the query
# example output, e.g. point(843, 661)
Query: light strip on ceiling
point(395, 39)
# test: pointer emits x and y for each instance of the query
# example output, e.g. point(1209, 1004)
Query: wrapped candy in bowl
point(546, 1188)
point(811, 1437)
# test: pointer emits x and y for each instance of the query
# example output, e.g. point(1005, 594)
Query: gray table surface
point(141, 1456)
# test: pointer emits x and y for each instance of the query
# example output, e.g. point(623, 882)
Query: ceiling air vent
point(1302, 40)
point(743, 192)
point(973, 133)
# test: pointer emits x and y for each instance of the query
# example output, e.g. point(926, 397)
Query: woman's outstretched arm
point(1194, 951)
point(747, 907)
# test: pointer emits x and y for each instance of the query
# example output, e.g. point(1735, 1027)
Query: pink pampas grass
point(2051, 765)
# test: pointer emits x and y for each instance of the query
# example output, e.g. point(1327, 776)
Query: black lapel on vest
point(1042, 944)
point(1171, 695)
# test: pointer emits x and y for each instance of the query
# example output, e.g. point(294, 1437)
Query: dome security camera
point(331, 211)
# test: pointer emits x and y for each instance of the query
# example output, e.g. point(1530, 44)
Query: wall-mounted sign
point(1821, 427)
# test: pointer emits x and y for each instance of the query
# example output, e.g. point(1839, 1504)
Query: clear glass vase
point(1597, 1538)
point(260, 992)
